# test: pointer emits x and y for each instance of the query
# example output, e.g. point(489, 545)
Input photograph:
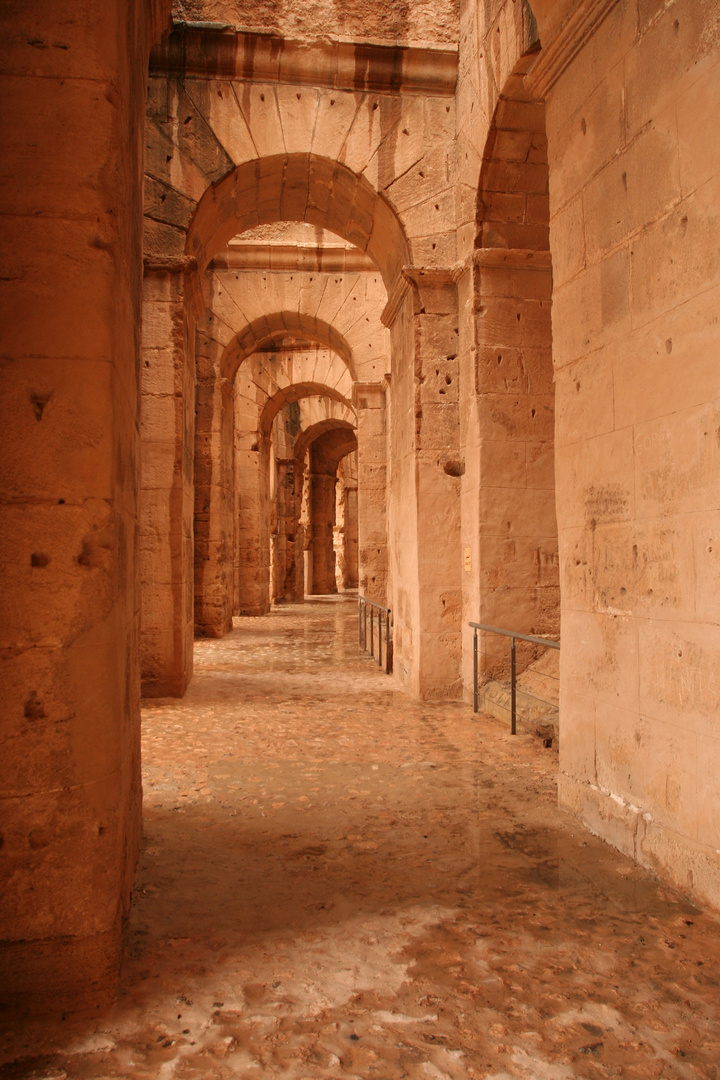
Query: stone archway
point(512, 562)
point(380, 177)
point(298, 187)
point(318, 453)
point(238, 398)
point(296, 428)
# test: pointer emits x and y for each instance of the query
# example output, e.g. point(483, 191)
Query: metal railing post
point(475, 670)
point(513, 694)
point(363, 605)
point(548, 643)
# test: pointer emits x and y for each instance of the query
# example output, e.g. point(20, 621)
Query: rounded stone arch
point(318, 452)
point(310, 434)
point(510, 37)
point(513, 202)
point(278, 327)
point(298, 187)
point(513, 337)
point(294, 393)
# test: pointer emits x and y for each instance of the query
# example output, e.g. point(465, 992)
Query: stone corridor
point(338, 882)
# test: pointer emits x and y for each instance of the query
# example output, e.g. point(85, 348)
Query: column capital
point(433, 277)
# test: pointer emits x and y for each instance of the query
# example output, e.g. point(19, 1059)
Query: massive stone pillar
point(369, 402)
point(214, 518)
point(425, 484)
point(70, 244)
point(322, 517)
point(510, 559)
point(346, 535)
point(252, 551)
point(286, 529)
point(166, 501)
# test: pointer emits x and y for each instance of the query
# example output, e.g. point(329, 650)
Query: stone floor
point(339, 883)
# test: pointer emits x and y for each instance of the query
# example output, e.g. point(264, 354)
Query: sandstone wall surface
point(635, 219)
point(397, 21)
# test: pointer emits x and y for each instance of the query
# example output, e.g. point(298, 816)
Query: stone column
point(167, 418)
point(214, 524)
point(71, 206)
point(345, 533)
point(425, 486)
point(510, 564)
point(369, 402)
point(252, 459)
point(322, 496)
point(285, 573)
point(350, 577)
point(305, 526)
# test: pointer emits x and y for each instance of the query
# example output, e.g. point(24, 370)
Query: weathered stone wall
point(395, 21)
point(73, 86)
point(635, 223)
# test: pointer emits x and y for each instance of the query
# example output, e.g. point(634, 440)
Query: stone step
point(534, 715)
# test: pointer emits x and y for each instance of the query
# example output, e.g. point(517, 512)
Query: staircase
point(537, 697)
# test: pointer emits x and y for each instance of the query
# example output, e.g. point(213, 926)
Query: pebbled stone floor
point(337, 882)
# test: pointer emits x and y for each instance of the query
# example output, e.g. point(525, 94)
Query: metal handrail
point(363, 605)
point(514, 636)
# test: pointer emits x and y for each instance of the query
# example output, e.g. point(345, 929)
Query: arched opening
point(322, 460)
point(298, 187)
point(278, 326)
point(211, 337)
point(296, 430)
point(283, 188)
point(514, 565)
point(268, 365)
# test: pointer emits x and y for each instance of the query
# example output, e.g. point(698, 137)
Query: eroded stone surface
point(339, 882)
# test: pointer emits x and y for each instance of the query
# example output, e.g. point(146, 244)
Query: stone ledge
point(215, 51)
point(534, 715)
point(294, 257)
point(169, 264)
